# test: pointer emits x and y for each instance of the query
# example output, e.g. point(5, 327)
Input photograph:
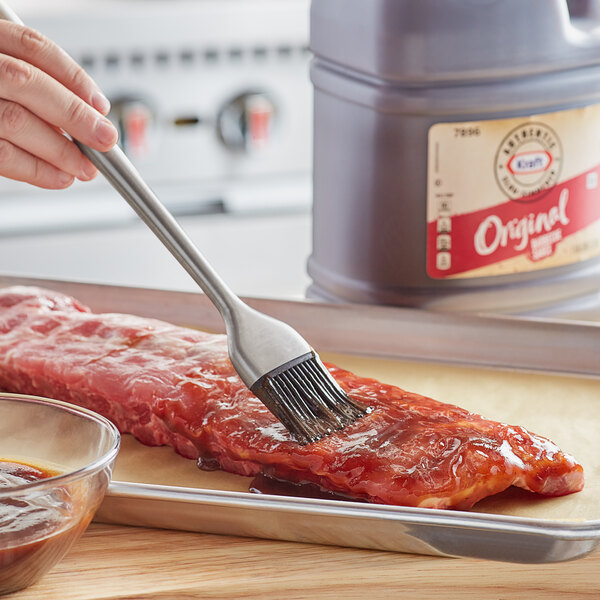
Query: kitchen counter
point(111, 562)
point(257, 255)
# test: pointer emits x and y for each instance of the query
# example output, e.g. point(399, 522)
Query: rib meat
point(171, 385)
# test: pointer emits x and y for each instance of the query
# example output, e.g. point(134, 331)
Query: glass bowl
point(73, 450)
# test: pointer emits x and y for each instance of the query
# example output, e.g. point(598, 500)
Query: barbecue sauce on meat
point(35, 528)
point(263, 484)
point(170, 385)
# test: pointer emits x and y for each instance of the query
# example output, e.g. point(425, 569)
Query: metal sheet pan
point(509, 343)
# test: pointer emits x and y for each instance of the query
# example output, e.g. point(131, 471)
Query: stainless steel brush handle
point(8, 14)
point(119, 171)
point(124, 177)
point(257, 343)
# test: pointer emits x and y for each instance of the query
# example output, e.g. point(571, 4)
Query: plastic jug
point(456, 152)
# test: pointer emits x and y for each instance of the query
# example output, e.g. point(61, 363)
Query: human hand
point(43, 92)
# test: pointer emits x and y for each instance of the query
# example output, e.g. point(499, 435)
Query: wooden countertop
point(111, 562)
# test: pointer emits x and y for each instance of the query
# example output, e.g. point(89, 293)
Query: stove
point(212, 99)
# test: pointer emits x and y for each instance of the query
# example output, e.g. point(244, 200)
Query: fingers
point(26, 131)
point(42, 95)
point(22, 166)
point(32, 47)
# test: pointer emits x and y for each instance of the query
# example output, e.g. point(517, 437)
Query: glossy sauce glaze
point(35, 526)
point(169, 385)
point(262, 484)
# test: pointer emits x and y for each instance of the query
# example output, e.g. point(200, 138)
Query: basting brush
point(273, 360)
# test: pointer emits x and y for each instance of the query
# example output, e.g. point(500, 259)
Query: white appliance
point(212, 99)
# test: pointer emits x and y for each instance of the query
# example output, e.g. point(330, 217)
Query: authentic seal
point(528, 162)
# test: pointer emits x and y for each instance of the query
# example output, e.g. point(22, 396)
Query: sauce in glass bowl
point(37, 526)
point(56, 461)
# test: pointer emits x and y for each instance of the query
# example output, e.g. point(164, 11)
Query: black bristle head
point(307, 400)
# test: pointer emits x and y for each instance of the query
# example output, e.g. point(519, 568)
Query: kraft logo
point(528, 162)
point(534, 161)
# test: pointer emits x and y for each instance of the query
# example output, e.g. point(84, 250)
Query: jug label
point(513, 195)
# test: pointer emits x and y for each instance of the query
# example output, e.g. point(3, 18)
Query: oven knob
point(135, 122)
point(246, 122)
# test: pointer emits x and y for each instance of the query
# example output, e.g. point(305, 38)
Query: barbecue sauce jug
point(456, 152)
